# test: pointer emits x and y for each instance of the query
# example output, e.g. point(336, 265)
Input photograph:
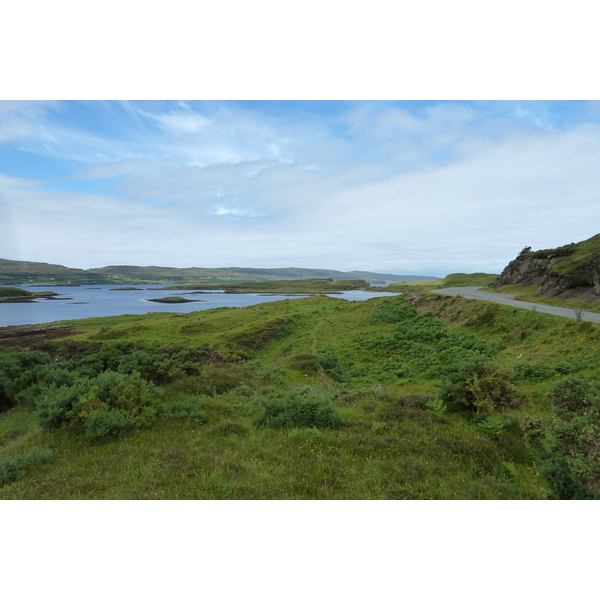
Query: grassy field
point(452, 280)
point(367, 396)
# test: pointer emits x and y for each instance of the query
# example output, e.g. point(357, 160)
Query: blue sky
point(401, 187)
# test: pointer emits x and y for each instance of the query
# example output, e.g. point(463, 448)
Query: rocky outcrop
point(575, 278)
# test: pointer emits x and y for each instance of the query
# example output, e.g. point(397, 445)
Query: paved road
point(508, 299)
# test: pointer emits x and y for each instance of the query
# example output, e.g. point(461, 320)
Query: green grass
point(13, 292)
point(578, 255)
point(452, 280)
point(528, 294)
point(390, 444)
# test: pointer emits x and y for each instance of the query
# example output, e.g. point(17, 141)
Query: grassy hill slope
point(452, 280)
point(389, 369)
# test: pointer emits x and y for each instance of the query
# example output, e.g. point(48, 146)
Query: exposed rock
point(578, 278)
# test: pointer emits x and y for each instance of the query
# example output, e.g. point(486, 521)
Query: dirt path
point(508, 299)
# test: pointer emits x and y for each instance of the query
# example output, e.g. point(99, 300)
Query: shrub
point(533, 430)
point(480, 386)
point(300, 411)
point(561, 480)
point(568, 394)
point(14, 363)
point(333, 368)
point(15, 466)
point(129, 394)
point(393, 311)
point(571, 463)
point(107, 424)
point(535, 371)
point(220, 377)
point(55, 406)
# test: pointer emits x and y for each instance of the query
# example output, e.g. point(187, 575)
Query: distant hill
point(568, 271)
point(14, 272)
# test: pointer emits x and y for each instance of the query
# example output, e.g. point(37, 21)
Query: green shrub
point(129, 394)
point(299, 411)
point(480, 386)
point(220, 377)
point(568, 394)
point(571, 463)
point(534, 371)
point(15, 466)
point(333, 368)
point(533, 430)
point(563, 484)
point(393, 311)
point(107, 424)
point(184, 409)
point(55, 406)
point(14, 363)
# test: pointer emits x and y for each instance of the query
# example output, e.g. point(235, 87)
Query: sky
point(404, 187)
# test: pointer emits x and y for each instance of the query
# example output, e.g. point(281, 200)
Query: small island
point(13, 294)
point(172, 300)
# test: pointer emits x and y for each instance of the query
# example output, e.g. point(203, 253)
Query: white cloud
point(18, 118)
point(448, 188)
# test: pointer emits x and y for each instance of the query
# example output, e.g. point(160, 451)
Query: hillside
point(452, 280)
point(566, 272)
point(14, 272)
point(417, 396)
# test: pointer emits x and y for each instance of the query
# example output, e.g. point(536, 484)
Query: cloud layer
point(421, 188)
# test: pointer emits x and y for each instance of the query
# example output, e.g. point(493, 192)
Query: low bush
point(569, 395)
point(393, 311)
point(298, 410)
point(333, 368)
point(108, 424)
point(571, 463)
point(480, 386)
point(220, 377)
point(15, 466)
point(533, 371)
point(55, 406)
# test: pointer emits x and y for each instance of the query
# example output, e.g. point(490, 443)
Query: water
point(83, 302)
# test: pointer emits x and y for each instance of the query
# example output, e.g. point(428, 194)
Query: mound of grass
point(298, 410)
point(13, 292)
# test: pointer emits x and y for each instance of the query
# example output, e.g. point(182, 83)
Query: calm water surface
point(82, 302)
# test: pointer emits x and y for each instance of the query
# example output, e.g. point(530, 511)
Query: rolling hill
point(14, 272)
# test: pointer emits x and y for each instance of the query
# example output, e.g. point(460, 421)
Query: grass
point(12, 292)
point(452, 280)
point(390, 445)
point(528, 294)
